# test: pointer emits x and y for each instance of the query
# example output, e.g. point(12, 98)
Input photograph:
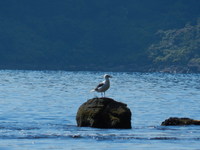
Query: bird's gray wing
point(100, 85)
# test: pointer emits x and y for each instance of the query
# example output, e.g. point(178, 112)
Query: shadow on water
point(84, 133)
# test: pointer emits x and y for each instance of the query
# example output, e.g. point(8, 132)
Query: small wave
point(41, 136)
point(93, 136)
point(18, 128)
point(164, 138)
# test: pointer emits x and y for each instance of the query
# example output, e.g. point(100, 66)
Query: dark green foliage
point(177, 47)
point(87, 35)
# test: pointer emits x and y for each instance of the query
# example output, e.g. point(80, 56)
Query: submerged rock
point(174, 121)
point(104, 113)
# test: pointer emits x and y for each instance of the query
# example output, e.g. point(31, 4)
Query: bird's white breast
point(105, 86)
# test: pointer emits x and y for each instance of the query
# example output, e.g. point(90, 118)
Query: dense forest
point(106, 35)
point(178, 49)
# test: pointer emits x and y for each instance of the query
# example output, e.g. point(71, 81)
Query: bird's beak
point(110, 76)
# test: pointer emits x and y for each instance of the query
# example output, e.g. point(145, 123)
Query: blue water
point(38, 110)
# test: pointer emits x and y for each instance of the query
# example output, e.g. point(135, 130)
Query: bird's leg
point(104, 94)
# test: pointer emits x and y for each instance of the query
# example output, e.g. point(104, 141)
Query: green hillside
point(177, 48)
point(101, 35)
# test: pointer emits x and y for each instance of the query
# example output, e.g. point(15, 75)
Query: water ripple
point(41, 105)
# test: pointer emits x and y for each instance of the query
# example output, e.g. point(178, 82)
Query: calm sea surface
point(38, 110)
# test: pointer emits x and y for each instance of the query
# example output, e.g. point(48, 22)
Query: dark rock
point(174, 121)
point(104, 113)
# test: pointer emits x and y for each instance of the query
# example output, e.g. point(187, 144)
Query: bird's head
point(106, 76)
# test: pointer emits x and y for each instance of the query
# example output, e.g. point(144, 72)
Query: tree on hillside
point(179, 47)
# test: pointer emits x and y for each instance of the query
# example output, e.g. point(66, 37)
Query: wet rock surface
point(104, 113)
point(174, 121)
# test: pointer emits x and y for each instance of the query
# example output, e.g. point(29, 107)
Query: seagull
point(103, 86)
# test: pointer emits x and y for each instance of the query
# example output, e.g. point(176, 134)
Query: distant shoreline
point(121, 68)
